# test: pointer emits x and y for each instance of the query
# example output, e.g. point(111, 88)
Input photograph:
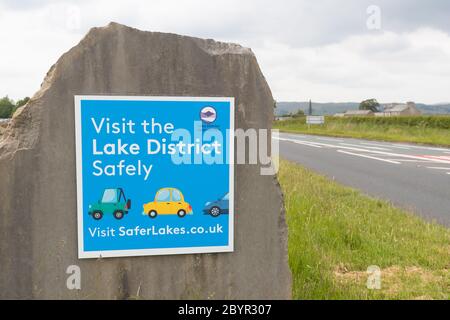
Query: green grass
point(433, 130)
point(335, 233)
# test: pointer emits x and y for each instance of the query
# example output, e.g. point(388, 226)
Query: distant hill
point(434, 108)
point(331, 108)
point(284, 108)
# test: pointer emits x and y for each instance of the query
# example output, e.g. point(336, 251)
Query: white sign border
point(79, 182)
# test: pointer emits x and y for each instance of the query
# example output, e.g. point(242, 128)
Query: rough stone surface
point(38, 238)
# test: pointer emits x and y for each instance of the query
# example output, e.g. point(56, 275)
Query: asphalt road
point(411, 176)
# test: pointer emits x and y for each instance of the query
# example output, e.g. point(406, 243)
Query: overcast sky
point(321, 50)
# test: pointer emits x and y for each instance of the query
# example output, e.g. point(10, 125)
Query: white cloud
point(31, 42)
point(320, 50)
point(387, 66)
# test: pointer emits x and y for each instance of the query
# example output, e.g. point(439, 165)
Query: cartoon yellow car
point(167, 201)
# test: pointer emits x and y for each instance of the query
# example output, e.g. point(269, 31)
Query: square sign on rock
point(154, 175)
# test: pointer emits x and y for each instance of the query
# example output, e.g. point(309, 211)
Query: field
point(433, 130)
point(336, 233)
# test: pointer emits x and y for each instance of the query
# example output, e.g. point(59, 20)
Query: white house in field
point(399, 109)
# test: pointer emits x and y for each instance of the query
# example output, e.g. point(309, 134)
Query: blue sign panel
point(154, 175)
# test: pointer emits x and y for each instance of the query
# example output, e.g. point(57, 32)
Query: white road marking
point(438, 168)
point(305, 143)
point(399, 147)
point(308, 144)
point(379, 148)
point(410, 160)
point(358, 145)
point(383, 145)
point(422, 147)
point(369, 157)
point(391, 154)
point(329, 139)
point(438, 157)
point(406, 146)
point(372, 144)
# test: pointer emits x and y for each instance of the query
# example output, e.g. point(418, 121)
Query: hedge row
point(442, 122)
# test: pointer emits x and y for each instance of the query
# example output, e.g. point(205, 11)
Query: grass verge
point(426, 131)
point(336, 233)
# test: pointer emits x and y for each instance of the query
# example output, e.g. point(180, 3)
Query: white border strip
point(160, 251)
point(368, 157)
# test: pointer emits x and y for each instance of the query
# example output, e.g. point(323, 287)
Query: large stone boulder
point(38, 233)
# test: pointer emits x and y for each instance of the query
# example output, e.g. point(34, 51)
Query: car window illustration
point(176, 195)
point(167, 201)
point(163, 195)
point(217, 207)
point(109, 195)
point(112, 201)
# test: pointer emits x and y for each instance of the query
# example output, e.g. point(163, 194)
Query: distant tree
point(369, 104)
point(6, 107)
point(298, 114)
point(22, 102)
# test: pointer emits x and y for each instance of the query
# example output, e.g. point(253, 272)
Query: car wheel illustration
point(152, 214)
point(214, 211)
point(181, 213)
point(97, 214)
point(118, 214)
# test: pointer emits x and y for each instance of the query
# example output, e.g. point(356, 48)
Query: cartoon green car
point(113, 201)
